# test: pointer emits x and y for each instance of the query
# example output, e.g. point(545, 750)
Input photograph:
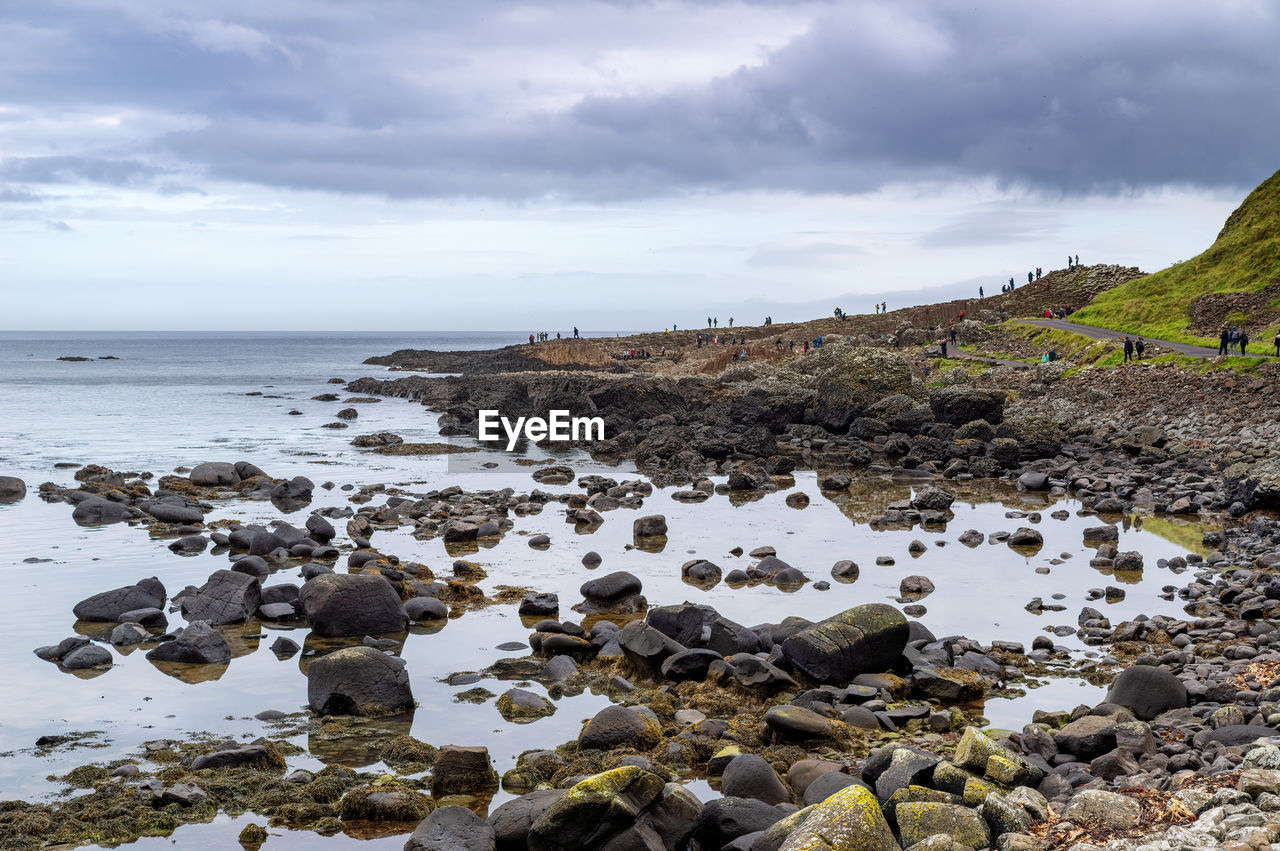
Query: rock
point(826, 785)
point(381, 438)
point(539, 604)
point(88, 656)
point(351, 604)
point(849, 820)
point(960, 405)
point(932, 499)
point(836, 482)
point(1147, 691)
point(284, 647)
point(592, 559)
point(1087, 737)
point(228, 597)
point(539, 541)
point(624, 808)
point(519, 705)
point(907, 767)
point(652, 526)
point(96, 511)
point(1127, 561)
point(462, 770)
point(110, 605)
point(749, 776)
point(916, 586)
point(321, 529)
point(232, 757)
point(214, 474)
point(129, 634)
point(617, 726)
point(725, 819)
point(452, 828)
point(614, 592)
point(198, 644)
point(795, 723)
point(845, 571)
point(173, 510)
point(1108, 809)
point(918, 820)
point(1033, 481)
point(358, 681)
point(1025, 537)
point(645, 647)
point(348, 414)
point(425, 609)
point(12, 489)
point(182, 794)
point(865, 639)
point(688, 664)
point(512, 821)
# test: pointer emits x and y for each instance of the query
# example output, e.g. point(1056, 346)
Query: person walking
point(1222, 340)
point(1244, 340)
point(1077, 261)
point(1068, 261)
point(1277, 342)
point(884, 307)
point(1029, 279)
point(1011, 283)
point(1233, 341)
point(730, 321)
point(943, 345)
point(953, 335)
point(1128, 349)
point(1141, 346)
point(981, 294)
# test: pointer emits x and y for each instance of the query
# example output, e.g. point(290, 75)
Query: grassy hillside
point(1236, 282)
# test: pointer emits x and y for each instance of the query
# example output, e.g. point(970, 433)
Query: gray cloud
point(60, 226)
point(1080, 99)
point(17, 196)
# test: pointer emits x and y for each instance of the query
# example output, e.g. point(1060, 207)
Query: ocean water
point(178, 400)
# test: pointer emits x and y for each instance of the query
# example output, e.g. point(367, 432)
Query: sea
point(169, 400)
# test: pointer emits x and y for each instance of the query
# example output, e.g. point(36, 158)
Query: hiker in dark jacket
point(1277, 342)
point(1128, 350)
point(1244, 340)
point(1222, 341)
point(1141, 346)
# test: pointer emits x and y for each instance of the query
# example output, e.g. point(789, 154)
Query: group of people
point(1233, 341)
point(712, 339)
point(882, 307)
point(840, 314)
point(1073, 262)
point(1058, 312)
point(1131, 346)
point(714, 321)
point(639, 354)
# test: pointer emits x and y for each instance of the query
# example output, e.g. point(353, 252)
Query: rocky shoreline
point(854, 732)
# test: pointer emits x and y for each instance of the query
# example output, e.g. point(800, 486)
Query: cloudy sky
point(413, 165)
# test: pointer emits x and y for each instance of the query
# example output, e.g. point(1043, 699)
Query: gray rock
point(351, 604)
point(198, 644)
point(358, 681)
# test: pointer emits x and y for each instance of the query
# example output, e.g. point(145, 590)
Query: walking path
point(1108, 334)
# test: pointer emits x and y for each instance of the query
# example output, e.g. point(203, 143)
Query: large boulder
point(513, 820)
point(110, 605)
point(645, 647)
point(651, 526)
point(462, 770)
point(351, 604)
point(625, 807)
point(96, 511)
point(749, 776)
point(865, 639)
point(198, 644)
point(918, 820)
point(228, 597)
point(1147, 691)
point(960, 405)
point(615, 592)
point(849, 820)
point(849, 380)
point(358, 681)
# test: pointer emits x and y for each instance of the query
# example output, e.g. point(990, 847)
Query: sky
point(506, 165)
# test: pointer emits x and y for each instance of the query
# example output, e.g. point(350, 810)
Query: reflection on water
point(981, 590)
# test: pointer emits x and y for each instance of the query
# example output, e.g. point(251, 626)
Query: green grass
point(1244, 258)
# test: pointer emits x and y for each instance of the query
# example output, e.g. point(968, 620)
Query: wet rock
point(836, 482)
point(627, 807)
point(129, 634)
point(189, 545)
point(233, 757)
point(749, 776)
point(539, 604)
point(228, 597)
point(347, 414)
point(214, 474)
point(591, 559)
point(845, 571)
point(864, 639)
point(797, 724)
point(932, 499)
point(512, 821)
point(12, 489)
point(56, 652)
point(1129, 560)
point(197, 644)
point(110, 605)
point(618, 726)
point(452, 828)
point(652, 526)
point(1026, 537)
point(424, 609)
point(284, 647)
point(645, 647)
point(1148, 691)
point(725, 819)
point(462, 770)
point(358, 681)
point(688, 664)
point(351, 604)
point(321, 529)
point(1033, 481)
point(1087, 737)
point(960, 405)
point(916, 586)
point(614, 592)
point(88, 656)
point(381, 438)
point(520, 705)
point(96, 511)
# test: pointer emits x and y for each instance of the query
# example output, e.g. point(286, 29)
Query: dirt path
point(1108, 334)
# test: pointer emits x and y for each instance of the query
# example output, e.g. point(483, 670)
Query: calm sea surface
point(178, 400)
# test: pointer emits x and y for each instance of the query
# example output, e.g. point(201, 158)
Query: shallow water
point(182, 402)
